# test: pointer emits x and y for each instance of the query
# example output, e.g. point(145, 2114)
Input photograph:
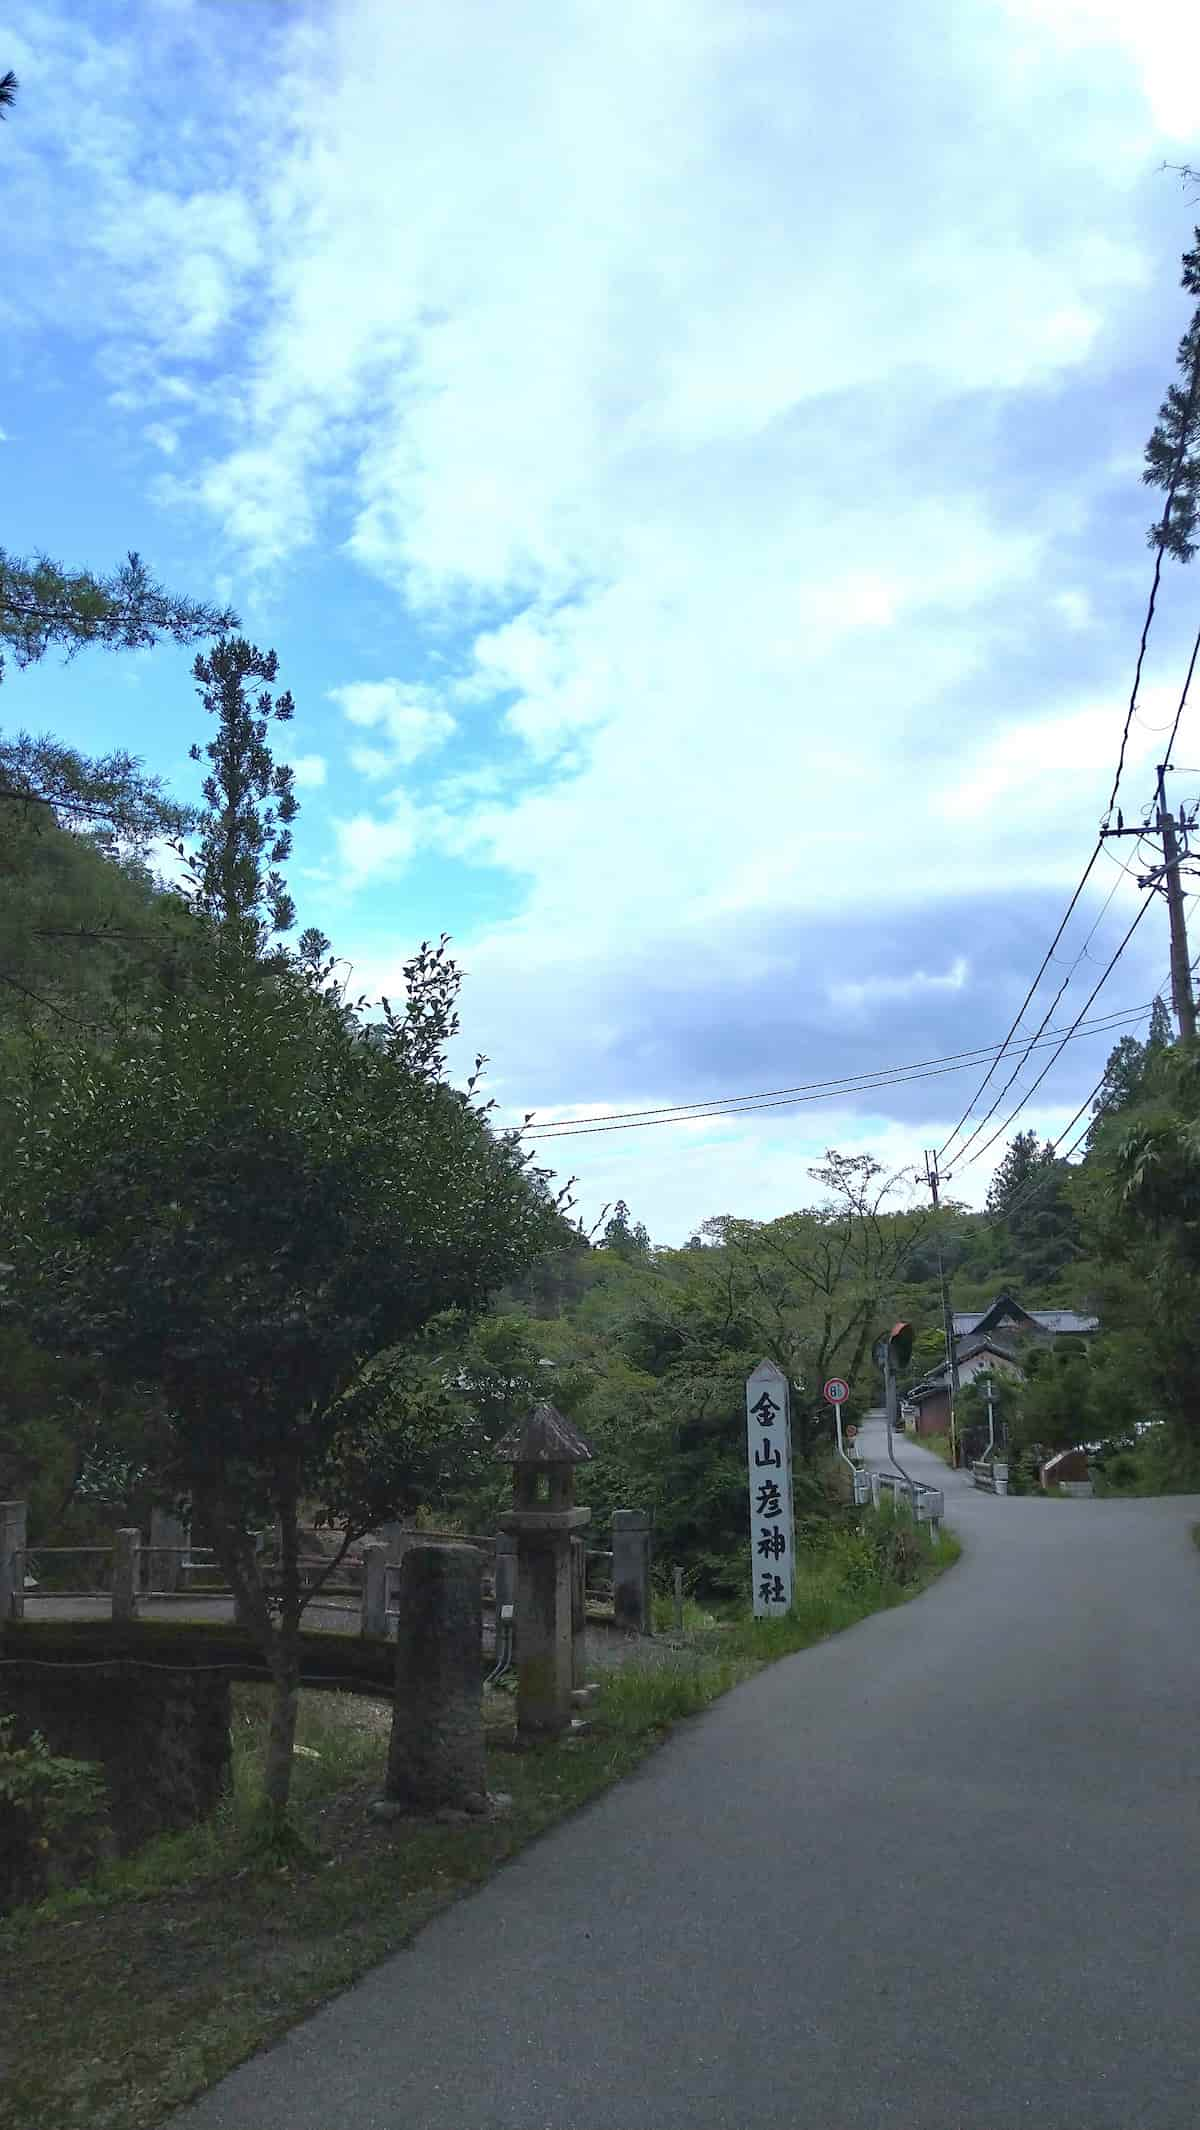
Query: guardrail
point(930, 1502)
point(990, 1476)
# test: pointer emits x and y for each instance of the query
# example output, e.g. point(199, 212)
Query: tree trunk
point(285, 1668)
point(278, 1641)
point(281, 1737)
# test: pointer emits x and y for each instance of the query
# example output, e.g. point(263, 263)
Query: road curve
point(941, 1873)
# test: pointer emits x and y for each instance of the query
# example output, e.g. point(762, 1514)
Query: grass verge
point(939, 1444)
point(129, 1995)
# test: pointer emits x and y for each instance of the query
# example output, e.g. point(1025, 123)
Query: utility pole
point(931, 1178)
point(1167, 877)
point(1181, 967)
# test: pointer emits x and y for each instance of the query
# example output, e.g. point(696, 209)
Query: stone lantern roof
point(545, 1438)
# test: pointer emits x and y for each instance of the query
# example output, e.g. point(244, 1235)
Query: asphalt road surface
point(941, 1873)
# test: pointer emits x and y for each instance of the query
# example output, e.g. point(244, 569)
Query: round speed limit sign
point(836, 1391)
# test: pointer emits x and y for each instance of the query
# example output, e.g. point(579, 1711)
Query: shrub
point(53, 1816)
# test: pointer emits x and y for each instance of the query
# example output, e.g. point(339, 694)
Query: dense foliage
point(243, 1213)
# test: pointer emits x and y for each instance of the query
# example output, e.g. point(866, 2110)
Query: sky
point(687, 460)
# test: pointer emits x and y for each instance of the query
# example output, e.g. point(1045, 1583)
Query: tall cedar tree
point(246, 1207)
point(1173, 452)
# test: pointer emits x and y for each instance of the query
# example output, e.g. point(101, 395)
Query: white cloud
point(1161, 37)
point(371, 762)
point(309, 770)
point(408, 717)
point(1075, 608)
point(664, 370)
point(1022, 778)
point(163, 438)
point(370, 849)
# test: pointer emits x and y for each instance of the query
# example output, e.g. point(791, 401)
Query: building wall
point(933, 1415)
point(980, 1364)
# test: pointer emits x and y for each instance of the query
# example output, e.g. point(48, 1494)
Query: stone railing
point(119, 1579)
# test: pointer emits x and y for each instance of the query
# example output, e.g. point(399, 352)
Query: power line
point(815, 1090)
point(1185, 438)
point(1103, 979)
point(860, 1080)
point(1101, 845)
point(1040, 1029)
point(1183, 696)
point(1024, 1002)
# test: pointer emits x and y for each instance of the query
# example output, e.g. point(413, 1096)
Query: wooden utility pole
point(1167, 877)
point(931, 1177)
point(1181, 966)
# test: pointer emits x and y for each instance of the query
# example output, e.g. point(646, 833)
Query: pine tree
point(41, 604)
point(1173, 452)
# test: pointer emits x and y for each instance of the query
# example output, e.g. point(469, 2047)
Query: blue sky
point(687, 461)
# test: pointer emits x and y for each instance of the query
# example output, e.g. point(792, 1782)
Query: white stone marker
point(769, 1457)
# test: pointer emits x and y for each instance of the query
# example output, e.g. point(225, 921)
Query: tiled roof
point(1065, 1320)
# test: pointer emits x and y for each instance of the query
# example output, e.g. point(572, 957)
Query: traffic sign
point(836, 1391)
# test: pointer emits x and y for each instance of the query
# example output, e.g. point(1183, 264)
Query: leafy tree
point(248, 1213)
point(42, 604)
point(1139, 1197)
point(1056, 1407)
point(8, 92)
point(815, 1284)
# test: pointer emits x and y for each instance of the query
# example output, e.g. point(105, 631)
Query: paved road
point(942, 1873)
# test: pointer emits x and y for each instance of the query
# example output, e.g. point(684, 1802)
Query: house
point(1005, 1318)
point(985, 1344)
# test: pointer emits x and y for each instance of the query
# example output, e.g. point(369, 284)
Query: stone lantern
point(543, 1452)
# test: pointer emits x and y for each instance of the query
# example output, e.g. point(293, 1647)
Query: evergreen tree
point(1028, 1196)
point(1173, 452)
point(251, 801)
point(42, 604)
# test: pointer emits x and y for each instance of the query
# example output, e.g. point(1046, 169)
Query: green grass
point(696, 1616)
point(939, 1444)
point(171, 1966)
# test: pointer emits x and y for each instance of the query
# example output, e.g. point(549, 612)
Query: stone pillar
point(545, 1636)
point(127, 1553)
point(167, 1536)
point(12, 1560)
point(631, 1570)
point(399, 1537)
point(436, 1757)
point(373, 1619)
